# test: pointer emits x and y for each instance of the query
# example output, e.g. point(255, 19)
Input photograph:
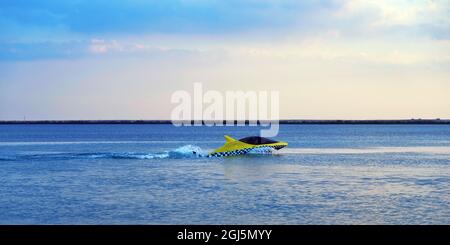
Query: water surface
point(147, 174)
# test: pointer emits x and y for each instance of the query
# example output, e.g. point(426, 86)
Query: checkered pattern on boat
point(240, 152)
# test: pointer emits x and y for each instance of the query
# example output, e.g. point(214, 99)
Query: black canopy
point(256, 140)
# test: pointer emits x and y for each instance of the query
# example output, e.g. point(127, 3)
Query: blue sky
point(62, 26)
point(331, 59)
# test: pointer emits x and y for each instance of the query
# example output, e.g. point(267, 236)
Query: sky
point(333, 59)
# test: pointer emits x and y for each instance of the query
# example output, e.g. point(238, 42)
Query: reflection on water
point(411, 149)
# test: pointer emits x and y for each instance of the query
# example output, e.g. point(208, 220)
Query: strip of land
point(405, 121)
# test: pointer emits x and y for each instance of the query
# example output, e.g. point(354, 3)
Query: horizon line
point(246, 122)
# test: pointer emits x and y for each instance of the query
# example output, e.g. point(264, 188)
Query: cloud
point(86, 19)
point(41, 50)
point(33, 29)
point(91, 48)
point(395, 17)
point(99, 46)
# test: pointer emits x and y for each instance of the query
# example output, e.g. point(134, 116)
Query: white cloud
point(388, 13)
point(100, 46)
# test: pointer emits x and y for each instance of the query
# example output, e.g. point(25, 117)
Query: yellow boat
point(245, 145)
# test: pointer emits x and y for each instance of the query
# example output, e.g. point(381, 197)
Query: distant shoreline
point(401, 121)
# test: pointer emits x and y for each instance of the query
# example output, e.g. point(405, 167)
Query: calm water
point(147, 174)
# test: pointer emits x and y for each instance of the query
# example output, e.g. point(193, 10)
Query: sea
point(158, 174)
